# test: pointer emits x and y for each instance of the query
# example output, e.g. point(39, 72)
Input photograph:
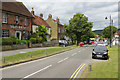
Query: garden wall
point(23, 46)
point(14, 47)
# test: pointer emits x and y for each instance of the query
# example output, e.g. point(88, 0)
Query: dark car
point(100, 52)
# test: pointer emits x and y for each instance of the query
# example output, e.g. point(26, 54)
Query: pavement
point(19, 51)
point(69, 64)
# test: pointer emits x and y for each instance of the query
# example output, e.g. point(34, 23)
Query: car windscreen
point(100, 48)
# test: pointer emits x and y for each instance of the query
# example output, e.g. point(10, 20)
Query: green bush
point(33, 40)
point(39, 40)
point(34, 35)
point(15, 40)
point(23, 42)
point(7, 41)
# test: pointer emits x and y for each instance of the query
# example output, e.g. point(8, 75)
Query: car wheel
point(93, 57)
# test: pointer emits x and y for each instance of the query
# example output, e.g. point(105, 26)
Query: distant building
point(56, 27)
point(16, 20)
point(116, 38)
point(38, 21)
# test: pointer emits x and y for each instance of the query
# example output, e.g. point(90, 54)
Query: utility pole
point(110, 32)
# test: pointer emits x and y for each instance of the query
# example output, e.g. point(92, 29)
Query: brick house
point(56, 27)
point(38, 21)
point(16, 20)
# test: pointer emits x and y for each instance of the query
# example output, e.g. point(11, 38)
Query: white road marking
point(74, 54)
point(79, 51)
point(36, 72)
point(63, 60)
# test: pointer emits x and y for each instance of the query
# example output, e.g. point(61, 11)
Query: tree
point(69, 33)
point(107, 33)
point(79, 27)
point(41, 32)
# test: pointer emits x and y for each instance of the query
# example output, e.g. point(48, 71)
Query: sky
point(95, 10)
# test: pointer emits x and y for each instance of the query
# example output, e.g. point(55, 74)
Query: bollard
point(30, 55)
point(3, 60)
point(90, 68)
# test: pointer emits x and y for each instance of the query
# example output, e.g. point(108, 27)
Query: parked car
point(91, 42)
point(100, 52)
point(63, 42)
point(81, 43)
point(101, 44)
point(108, 43)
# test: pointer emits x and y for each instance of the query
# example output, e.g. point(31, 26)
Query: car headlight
point(105, 53)
point(94, 52)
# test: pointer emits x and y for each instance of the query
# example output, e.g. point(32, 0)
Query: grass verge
point(105, 69)
point(13, 59)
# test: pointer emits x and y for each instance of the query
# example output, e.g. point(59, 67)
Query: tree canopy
point(106, 31)
point(79, 28)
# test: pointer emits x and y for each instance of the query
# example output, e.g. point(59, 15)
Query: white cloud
point(96, 11)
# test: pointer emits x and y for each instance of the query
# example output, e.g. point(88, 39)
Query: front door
point(18, 35)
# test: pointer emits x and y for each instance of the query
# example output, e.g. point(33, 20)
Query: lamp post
point(111, 24)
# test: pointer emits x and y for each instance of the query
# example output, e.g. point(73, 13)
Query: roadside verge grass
point(104, 69)
point(13, 59)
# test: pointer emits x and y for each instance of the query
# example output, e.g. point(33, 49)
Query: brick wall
point(11, 20)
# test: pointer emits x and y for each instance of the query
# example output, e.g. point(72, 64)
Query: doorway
point(18, 34)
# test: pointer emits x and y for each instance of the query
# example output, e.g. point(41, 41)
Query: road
point(19, 51)
point(64, 65)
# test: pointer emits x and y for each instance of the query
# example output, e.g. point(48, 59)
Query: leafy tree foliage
point(106, 31)
point(79, 28)
point(40, 34)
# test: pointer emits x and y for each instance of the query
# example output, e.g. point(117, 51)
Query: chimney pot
point(41, 15)
point(49, 16)
point(32, 12)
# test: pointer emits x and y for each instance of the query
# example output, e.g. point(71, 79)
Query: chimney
point(32, 12)
point(41, 15)
point(49, 16)
point(57, 19)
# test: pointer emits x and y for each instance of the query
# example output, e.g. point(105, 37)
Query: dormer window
point(17, 20)
point(4, 18)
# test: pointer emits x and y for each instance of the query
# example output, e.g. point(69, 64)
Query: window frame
point(17, 19)
point(4, 18)
point(26, 21)
point(4, 33)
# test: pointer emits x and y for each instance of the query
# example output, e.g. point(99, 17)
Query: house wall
point(34, 27)
point(60, 34)
point(54, 33)
point(13, 27)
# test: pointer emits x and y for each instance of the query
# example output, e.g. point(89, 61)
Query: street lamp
point(111, 24)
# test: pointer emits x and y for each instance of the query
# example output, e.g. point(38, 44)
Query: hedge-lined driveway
point(19, 51)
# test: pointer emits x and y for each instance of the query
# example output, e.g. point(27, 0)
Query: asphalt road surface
point(19, 51)
point(68, 64)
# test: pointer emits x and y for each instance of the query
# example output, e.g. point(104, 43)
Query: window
point(26, 34)
point(17, 20)
point(4, 18)
point(58, 30)
point(5, 33)
point(26, 21)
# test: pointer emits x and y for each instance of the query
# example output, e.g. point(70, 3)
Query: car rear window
point(100, 48)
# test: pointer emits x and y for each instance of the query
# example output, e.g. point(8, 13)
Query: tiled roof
point(16, 7)
point(39, 21)
point(117, 33)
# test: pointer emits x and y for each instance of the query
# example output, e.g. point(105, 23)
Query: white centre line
point(79, 51)
point(74, 54)
point(36, 72)
point(63, 60)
